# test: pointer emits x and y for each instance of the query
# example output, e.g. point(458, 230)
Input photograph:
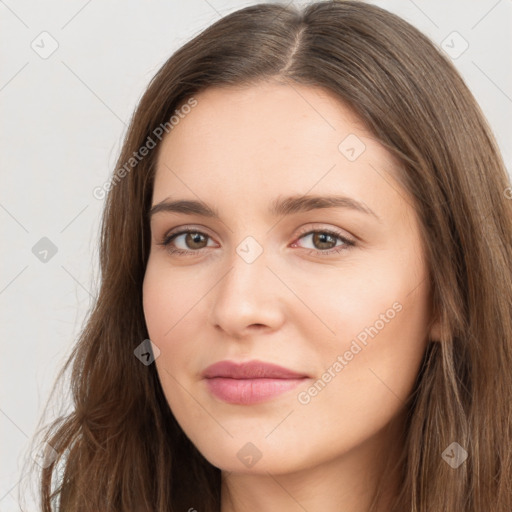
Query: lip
point(251, 382)
point(250, 370)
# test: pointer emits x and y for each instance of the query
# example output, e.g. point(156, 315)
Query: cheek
point(360, 300)
point(174, 318)
point(152, 303)
point(374, 334)
point(367, 371)
point(169, 298)
point(168, 310)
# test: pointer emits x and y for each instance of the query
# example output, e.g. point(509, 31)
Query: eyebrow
point(279, 207)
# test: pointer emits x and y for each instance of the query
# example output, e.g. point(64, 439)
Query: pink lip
point(251, 382)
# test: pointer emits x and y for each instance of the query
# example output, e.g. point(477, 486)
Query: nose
point(249, 298)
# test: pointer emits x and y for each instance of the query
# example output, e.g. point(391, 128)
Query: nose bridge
point(246, 294)
point(248, 270)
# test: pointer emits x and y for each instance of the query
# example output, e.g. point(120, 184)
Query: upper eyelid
point(183, 229)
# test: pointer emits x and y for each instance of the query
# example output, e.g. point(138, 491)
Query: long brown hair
point(120, 448)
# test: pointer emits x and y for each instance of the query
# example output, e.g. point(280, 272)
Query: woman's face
point(335, 290)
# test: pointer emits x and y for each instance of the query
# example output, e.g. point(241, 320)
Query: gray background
point(63, 117)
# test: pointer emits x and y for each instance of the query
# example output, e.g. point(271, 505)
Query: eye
point(193, 238)
point(325, 241)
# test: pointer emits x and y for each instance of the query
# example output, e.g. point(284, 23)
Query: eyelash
point(347, 244)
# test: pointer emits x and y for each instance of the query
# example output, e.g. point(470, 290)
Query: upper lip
point(249, 370)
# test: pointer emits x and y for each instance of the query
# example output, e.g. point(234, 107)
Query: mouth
point(250, 383)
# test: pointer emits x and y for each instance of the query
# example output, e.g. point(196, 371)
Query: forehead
point(267, 120)
point(255, 142)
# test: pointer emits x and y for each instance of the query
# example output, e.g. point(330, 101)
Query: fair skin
point(295, 305)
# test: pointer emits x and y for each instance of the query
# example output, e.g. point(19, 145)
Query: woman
point(341, 337)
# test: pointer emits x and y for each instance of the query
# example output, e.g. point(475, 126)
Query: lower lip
point(249, 391)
